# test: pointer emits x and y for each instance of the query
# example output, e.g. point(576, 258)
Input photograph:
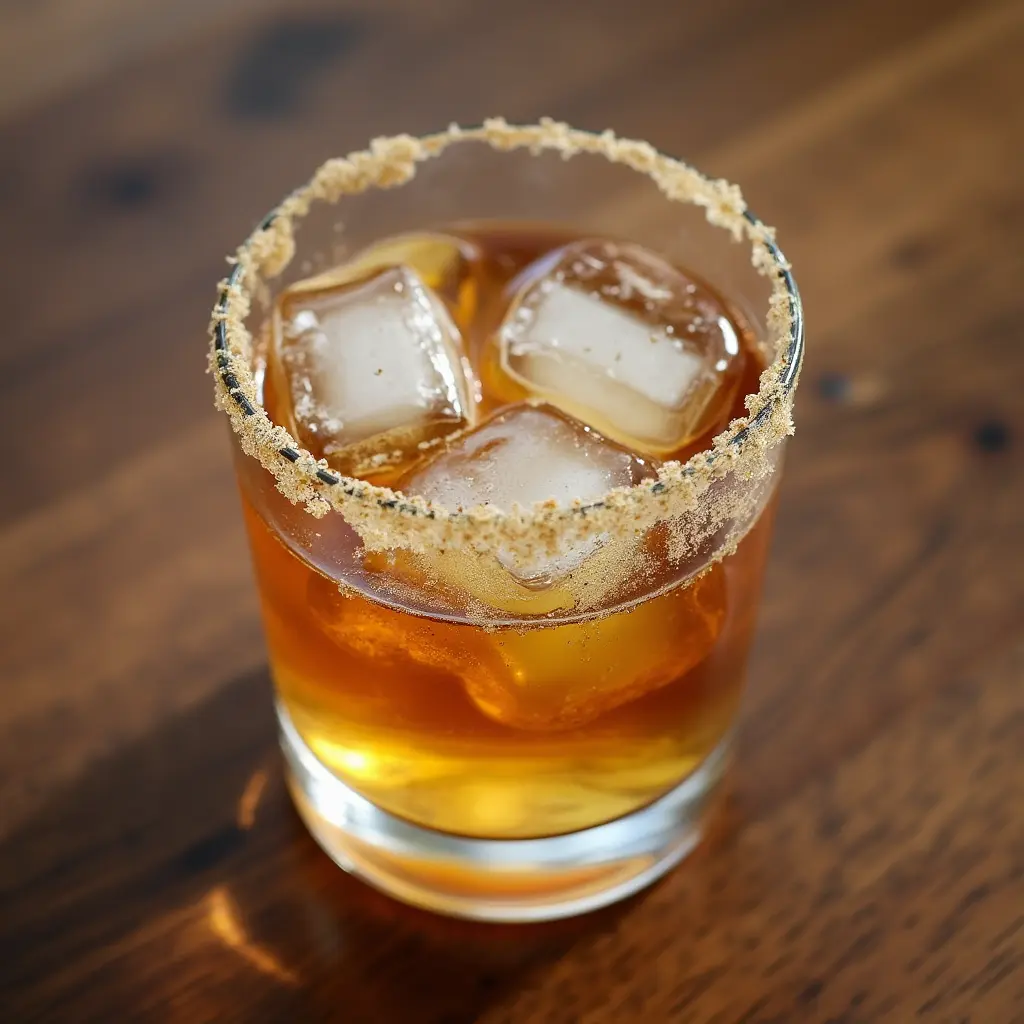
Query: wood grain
point(869, 865)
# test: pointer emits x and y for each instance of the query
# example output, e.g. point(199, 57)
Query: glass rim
point(391, 162)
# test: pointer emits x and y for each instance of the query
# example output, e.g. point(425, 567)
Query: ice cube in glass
point(615, 335)
point(524, 455)
point(372, 370)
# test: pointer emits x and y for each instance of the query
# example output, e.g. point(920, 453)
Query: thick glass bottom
point(495, 879)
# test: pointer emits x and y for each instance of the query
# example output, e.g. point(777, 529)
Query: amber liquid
point(449, 724)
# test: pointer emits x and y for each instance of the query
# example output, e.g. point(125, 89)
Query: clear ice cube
point(615, 335)
point(373, 368)
point(567, 675)
point(524, 455)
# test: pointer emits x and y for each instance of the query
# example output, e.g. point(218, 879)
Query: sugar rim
point(385, 518)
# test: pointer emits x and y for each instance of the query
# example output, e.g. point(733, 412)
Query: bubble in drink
point(616, 336)
point(373, 369)
point(524, 455)
point(452, 268)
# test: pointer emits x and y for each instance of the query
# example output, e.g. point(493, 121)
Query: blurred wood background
point(870, 865)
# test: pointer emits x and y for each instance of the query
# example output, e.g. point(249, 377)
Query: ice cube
point(378, 633)
point(553, 676)
point(451, 267)
point(373, 368)
point(524, 455)
point(557, 677)
point(615, 335)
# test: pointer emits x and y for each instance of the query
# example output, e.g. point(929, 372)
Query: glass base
point(498, 879)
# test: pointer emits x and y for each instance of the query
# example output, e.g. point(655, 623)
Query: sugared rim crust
point(388, 519)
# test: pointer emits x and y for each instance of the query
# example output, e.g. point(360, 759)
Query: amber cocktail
point(507, 439)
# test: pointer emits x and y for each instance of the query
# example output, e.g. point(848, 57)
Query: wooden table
point(870, 865)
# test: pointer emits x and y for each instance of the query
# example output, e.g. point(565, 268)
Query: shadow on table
point(175, 880)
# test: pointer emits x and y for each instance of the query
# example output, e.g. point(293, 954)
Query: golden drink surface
point(534, 728)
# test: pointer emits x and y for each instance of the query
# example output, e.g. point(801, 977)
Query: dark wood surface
point(870, 863)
